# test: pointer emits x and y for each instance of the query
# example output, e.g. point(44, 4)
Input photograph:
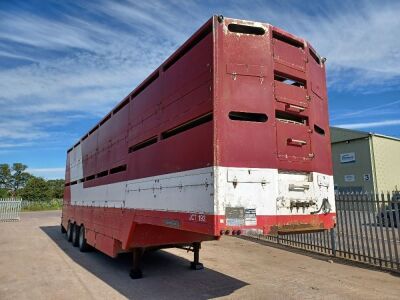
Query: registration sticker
point(250, 217)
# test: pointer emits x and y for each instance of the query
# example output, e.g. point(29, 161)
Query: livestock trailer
point(228, 136)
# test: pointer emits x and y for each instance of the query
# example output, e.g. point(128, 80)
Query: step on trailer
point(228, 136)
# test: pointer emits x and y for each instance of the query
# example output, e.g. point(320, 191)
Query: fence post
point(333, 241)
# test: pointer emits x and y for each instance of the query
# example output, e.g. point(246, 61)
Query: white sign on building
point(347, 157)
point(350, 178)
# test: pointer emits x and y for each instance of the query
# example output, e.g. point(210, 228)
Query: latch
point(296, 188)
point(295, 142)
point(301, 204)
point(294, 108)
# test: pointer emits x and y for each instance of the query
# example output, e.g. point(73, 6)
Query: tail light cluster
point(228, 232)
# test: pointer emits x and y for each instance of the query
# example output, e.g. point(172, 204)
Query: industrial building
point(364, 161)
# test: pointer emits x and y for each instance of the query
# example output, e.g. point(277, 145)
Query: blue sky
point(64, 64)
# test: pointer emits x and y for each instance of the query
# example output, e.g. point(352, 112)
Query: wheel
point(83, 245)
point(63, 229)
point(70, 229)
point(75, 235)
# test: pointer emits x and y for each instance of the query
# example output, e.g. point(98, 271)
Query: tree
point(36, 189)
point(5, 176)
point(56, 187)
point(13, 177)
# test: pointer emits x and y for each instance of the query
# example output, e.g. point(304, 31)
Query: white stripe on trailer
point(210, 190)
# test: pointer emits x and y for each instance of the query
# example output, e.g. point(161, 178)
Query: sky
point(65, 64)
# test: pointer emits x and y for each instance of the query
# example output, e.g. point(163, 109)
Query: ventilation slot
point(118, 169)
point(247, 117)
point(187, 126)
point(77, 144)
point(287, 40)
point(67, 184)
point(145, 84)
point(289, 118)
point(94, 129)
point(102, 174)
point(81, 180)
point(315, 57)
point(105, 119)
point(319, 130)
point(143, 144)
point(91, 177)
point(238, 28)
point(69, 150)
point(187, 48)
point(73, 182)
point(289, 80)
point(85, 137)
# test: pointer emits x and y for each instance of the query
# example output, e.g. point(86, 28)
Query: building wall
point(358, 168)
point(386, 158)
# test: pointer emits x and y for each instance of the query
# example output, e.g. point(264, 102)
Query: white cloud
point(78, 64)
point(384, 123)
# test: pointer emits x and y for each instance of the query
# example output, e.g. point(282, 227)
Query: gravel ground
point(36, 262)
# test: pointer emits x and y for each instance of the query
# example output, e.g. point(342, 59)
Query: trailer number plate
point(197, 218)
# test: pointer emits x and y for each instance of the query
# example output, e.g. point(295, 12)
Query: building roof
point(342, 134)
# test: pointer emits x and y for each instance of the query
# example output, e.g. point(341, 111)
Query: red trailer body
point(229, 135)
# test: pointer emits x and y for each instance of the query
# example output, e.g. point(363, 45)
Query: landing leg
point(136, 271)
point(195, 264)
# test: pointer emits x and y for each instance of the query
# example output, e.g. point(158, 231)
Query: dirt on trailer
point(37, 262)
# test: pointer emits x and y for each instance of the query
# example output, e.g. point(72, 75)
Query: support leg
point(136, 271)
point(195, 264)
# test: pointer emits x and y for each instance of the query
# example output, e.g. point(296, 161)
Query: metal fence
point(10, 209)
point(367, 230)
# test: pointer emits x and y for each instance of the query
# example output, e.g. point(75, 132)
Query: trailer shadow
point(166, 276)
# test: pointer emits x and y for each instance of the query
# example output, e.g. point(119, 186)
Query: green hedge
point(53, 204)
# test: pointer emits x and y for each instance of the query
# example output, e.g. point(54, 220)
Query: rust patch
point(296, 228)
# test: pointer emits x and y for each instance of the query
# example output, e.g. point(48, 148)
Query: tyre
point(75, 235)
point(63, 229)
point(70, 229)
point(83, 245)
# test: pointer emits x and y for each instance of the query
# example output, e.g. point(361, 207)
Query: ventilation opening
point(121, 106)
point(85, 137)
point(73, 182)
point(118, 169)
point(67, 184)
point(238, 28)
point(81, 180)
point(102, 174)
point(145, 84)
point(91, 177)
point(187, 48)
point(70, 149)
point(105, 119)
point(187, 126)
point(287, 40)
point(247, 117)
point(315, 57)
point(289, 80)
point(319, 130)
point(143, 144)
point(93, 129)
point(285, 117)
